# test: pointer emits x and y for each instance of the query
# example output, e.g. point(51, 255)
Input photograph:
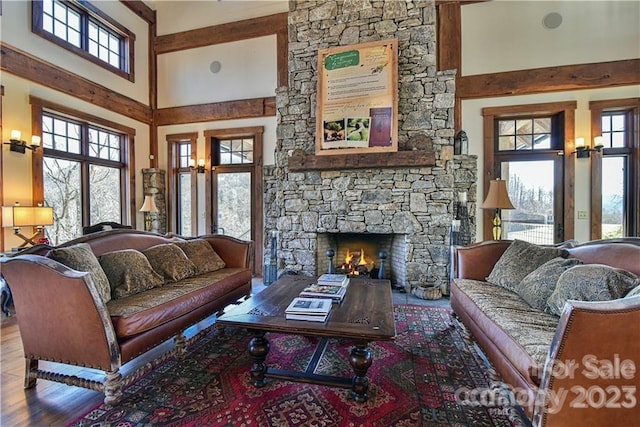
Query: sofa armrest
point(235, 252)
point(60, 313)
point(476, 261)
point(591, 373)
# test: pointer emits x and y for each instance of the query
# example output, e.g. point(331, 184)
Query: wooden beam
point(223, 33)
point(304, 162)
point(449, 52)
point(22, 64)
point(227, 110)
point(141, 9)
point(550, 79)
point(282, 58)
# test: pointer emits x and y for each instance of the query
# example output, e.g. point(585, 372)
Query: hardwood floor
point(54, 404)
point(50, 403)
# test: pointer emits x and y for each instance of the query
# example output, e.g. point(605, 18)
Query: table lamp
point(497, 198)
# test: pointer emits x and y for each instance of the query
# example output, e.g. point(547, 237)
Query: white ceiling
point(181, 15)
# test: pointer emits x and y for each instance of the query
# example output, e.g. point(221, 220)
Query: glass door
point(232, 212)
point(533, 190)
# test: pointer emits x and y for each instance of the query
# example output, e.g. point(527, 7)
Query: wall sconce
point(18, 145)
point(497, 198)
point(200, 168)
point(584, 151)
point(17, 216)
point(148, 206)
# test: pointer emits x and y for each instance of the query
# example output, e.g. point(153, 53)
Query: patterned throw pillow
point(129, 272)
point(170, 261)
point(591, 282)
point(80, 257)
point(202, 255)
point(537, 286)
point(520, 259)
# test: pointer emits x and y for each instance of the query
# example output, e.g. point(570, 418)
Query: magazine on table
point(333, 279)
point(314, 290)
point(309, 306)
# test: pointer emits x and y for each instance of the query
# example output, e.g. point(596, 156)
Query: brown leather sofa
point(587, 336)
point(62, 317)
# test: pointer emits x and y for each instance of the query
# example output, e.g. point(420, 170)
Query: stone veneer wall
point(416, 201)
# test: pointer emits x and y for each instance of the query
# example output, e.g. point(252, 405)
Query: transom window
point(83, 29)
point(614, 129)
point(524, 134)
point(235, 151)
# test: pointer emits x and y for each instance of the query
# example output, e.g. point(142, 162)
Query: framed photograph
point(357, 108)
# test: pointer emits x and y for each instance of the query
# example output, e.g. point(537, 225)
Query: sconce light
point(584, 151)
point(148, 206)
point(18, 145)
point(17, 216)
point(200, 168)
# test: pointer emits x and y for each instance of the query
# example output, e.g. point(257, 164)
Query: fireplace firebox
point(363, 254)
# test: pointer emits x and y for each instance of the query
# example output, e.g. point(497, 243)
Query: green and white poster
point(357, 98)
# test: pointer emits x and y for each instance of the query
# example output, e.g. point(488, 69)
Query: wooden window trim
point(128, 37)
point(38, 106)
point(597, 109)
point(490, 114)
point(173, 141)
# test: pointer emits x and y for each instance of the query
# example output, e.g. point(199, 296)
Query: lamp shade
point(498, 196)
point(149, 205)
point(23, 216)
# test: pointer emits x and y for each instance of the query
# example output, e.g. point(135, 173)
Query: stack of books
point(311, 309)
point(333, 286)
point(333, 280)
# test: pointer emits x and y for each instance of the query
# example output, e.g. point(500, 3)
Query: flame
point(362, 261)
point(348, 257)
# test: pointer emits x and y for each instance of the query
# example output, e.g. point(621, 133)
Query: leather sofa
point(63, 317)
point(556, 367)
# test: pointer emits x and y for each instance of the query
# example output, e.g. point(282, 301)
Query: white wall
point(247, 70)
point(508, 35)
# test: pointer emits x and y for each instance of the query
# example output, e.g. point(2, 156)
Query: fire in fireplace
point(357, 263)
point(358, 254)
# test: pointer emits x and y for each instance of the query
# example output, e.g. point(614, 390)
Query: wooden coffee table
point(364, 315)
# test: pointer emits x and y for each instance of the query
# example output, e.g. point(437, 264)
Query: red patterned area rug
point(414, 381)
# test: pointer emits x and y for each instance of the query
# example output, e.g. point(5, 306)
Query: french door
point(235, 205)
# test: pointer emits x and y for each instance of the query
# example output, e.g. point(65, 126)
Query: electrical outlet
point(582, 215)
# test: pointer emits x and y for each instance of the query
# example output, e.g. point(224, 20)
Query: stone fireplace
point(408, 209)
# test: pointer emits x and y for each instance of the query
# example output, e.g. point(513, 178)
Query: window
point(85, 170)
point(86, 31)
point(183, 206)
point(526, 148)
point(614, 174)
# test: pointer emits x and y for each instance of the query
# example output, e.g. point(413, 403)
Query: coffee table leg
point(258, 349)
point(360, 360)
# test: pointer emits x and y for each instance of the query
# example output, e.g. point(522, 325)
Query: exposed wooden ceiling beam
point(223, 33)
point(550, 79)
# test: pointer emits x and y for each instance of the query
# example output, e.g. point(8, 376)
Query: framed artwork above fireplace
point(357, 108)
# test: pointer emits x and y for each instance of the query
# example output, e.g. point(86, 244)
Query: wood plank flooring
point(50, 403)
